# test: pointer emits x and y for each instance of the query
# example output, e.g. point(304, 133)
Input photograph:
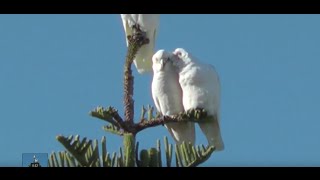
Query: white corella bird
point(201, 89)
point(147, 23)
point(167, 96)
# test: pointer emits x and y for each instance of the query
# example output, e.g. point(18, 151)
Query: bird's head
point(180, 57)
point(181, 53)
point(160, 60)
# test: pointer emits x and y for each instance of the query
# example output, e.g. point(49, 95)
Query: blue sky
point(54, 69)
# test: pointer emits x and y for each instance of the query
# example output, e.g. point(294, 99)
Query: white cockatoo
point(167, 96)
point(147, 23)
point(201, 89)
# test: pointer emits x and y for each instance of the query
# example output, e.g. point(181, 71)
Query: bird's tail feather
point(143, 59)
point(212, 132)
point(182, 132)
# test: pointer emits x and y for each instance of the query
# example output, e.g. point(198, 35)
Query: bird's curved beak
point(162, 63)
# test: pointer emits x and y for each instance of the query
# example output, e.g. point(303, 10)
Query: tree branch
point(113, 129)
point(135, 43)
point(204, 156)
point(110, 115)
point(193, 115)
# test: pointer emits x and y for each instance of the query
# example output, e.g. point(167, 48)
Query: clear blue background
point(54, 69)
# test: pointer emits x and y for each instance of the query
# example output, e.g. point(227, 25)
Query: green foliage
point(129, 146)
point(84, 153)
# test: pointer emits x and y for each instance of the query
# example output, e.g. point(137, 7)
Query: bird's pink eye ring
point(177, 53)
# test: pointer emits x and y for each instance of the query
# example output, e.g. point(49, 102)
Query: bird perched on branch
point(200, 89)
point(167, 96)
point(148, 24)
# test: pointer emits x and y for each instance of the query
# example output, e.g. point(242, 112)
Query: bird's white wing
point(212, 128)
point(201, 89)
point(127, 29)
point(156, 101)
point(143, 57)
point(168, 101)
point(157, 104)
point(149, 24)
